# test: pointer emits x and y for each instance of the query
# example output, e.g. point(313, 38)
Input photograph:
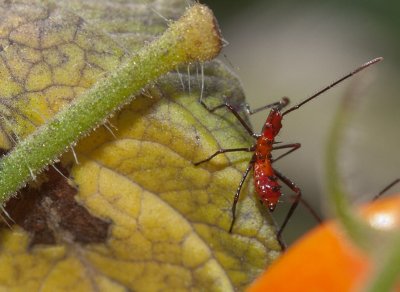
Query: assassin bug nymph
point(266, 177)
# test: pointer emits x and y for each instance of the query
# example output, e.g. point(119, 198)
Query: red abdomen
point(266, 184)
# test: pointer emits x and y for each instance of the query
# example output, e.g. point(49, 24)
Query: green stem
point(355, 228)
point(195, 37)
point(387, 276)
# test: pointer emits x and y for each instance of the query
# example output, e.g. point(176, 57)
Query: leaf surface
point(136, 213)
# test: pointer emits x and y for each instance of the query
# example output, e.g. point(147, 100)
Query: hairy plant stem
point(194, 37)
point(388, 264)
point(352, 224)
point(386, 276)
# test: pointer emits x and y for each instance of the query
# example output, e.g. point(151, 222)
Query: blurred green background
point(293, 48)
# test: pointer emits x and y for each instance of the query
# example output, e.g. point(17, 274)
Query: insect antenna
point(360, 68)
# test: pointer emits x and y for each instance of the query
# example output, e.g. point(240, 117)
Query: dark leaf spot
point(51, 214)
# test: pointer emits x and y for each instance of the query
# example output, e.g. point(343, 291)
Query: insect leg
point(393, 183)
point(293, 147)
point(279, 104)
point(240, 119)
point(293, 207)
point(220, 151)
point(309, 209)
point(236, 198)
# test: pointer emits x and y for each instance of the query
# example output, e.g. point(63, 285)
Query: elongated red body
point(265, 180)
point(265, 176)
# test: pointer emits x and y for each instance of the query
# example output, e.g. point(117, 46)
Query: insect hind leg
point(293, 207)
point(297, 199)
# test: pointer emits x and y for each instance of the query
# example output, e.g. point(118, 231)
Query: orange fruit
point(324, 259)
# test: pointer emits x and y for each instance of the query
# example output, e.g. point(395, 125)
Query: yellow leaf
point(137, 214)
point(49, 56)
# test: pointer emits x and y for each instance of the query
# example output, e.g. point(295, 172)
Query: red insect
point(266, 177)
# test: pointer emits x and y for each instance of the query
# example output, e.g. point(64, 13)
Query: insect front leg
point(279, 105)
point(235, 113)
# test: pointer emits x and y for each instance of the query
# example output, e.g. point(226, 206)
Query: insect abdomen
point(266, 184)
